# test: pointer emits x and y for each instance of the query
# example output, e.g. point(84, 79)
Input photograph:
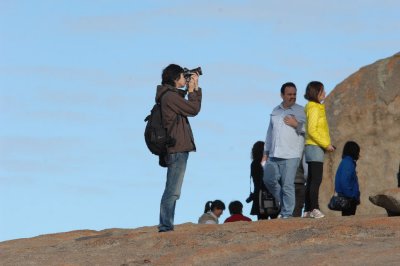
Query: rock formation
point(388, 199)
point(365, 108)
point(398, 178)
point(355, 240)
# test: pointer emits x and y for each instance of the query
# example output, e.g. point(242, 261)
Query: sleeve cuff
point(300, 128)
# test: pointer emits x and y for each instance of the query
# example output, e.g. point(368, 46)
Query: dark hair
point(313, 90)
point(212, 205)
point(257, 151)
point(235, 207)
point(170, 74)
point(352, 149)
point(287, 84)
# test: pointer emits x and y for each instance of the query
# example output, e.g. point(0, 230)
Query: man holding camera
point(284, 148)
point(175, 109)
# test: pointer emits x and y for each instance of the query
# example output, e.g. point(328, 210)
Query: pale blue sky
point(77, 78)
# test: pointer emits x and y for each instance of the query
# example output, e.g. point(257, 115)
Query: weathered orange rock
point(365, 108)
point(388, 199)
point(358, 240)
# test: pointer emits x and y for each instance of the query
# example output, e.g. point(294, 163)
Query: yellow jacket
point(317, 130)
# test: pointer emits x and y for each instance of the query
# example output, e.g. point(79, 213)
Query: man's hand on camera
point(193, 84)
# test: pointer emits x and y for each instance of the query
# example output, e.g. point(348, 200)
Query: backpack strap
point(177, 115)
point(159, 102)
point(162, 94)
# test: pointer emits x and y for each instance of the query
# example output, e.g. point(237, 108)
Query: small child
point(236, 209)
point(346, 180)
point(212, 211)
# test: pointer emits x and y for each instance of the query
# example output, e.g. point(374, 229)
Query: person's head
point(217, 207)
point(352, 149)
point(315, 92)
point(288, 94)
point(235, 207)
point(257, 151)
point(173, 75)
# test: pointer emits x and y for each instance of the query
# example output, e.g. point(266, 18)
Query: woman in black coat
point(257, 173)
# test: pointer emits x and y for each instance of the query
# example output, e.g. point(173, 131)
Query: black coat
point(257, 173)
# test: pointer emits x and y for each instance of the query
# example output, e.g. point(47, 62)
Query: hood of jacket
point(163, 88)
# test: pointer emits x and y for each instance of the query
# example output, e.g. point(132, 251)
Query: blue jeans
point(176, 163)
point(279, 177)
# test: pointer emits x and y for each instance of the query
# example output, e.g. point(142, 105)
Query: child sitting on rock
point(212, 211)
point(236, 209)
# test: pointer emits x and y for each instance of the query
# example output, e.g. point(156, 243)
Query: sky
point(77, 79)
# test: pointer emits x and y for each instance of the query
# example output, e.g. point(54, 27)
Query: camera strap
point(250, 183)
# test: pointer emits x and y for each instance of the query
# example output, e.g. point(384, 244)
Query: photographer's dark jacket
point(175, 110)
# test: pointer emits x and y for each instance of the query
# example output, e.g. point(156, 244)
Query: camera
point(188, 73)
point(250, 198)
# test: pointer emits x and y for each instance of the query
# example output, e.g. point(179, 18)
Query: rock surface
point(358, 240)
point(365, 108)
point(389, 200)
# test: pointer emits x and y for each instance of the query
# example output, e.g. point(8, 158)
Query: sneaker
point(306, 215)
point(280, 216)
point(317, 214)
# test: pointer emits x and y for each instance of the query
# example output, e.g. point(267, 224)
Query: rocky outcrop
point(355, 240)
point(365, 108)
point(389, 200)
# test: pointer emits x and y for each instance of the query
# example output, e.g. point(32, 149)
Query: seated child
point(212, 211)
point(235, 209)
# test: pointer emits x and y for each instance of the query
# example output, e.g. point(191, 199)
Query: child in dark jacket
point(346, 180)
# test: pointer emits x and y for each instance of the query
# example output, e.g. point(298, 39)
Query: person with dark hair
point(346, 180)
point(318, 141)
point(176, 109)
point(256, 174)
point(212, 211)
point(283, 149)
point(236, 209)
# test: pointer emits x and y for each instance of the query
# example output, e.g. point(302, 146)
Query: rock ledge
point(359, 240)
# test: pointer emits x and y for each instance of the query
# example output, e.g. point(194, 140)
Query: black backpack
point(156, 136)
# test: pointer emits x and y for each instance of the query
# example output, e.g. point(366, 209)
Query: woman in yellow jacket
point(317, 143)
